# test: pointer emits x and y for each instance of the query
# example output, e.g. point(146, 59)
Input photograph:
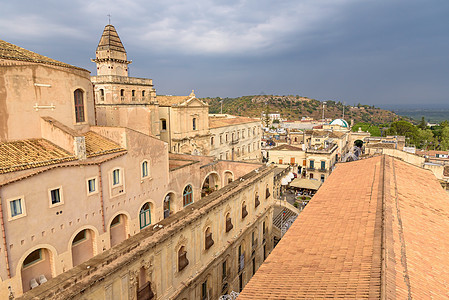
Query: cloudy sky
point(381, 52)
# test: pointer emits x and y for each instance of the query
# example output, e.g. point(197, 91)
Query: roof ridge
point(10, 51)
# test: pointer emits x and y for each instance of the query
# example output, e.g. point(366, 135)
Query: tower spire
point(111, 56)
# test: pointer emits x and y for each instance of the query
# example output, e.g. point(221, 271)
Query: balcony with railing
point(234, 142)
point(326, 149)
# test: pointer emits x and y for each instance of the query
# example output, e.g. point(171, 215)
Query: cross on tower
point(109, 16)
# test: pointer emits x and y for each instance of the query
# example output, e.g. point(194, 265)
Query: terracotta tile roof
point(170, 100)
point(110, 40)
point(12, 52)
point(337, 134)
point(286, 147)
point(99, 145)
point(215, 122)
point(431, 152)
point(26, 154)
point(381, 145)
point(334, 248)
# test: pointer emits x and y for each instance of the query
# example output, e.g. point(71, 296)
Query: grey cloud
point(373, 51)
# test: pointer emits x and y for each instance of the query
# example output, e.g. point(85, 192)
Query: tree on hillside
point(406, 129)
point(267, 114)
point(444, 140)
point(422, 124)
point(426, 138)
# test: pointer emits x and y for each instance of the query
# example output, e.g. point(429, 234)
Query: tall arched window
point(79, 106)
point(187, 195)
point(145, 215)
point(194, 123)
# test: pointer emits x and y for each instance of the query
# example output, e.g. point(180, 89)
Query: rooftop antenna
point(109, 17)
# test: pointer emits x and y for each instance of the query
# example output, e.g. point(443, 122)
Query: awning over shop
point(302, 183)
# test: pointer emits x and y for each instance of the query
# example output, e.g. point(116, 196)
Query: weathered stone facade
point(176, 257)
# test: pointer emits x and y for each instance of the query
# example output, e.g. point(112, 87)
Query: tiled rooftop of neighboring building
point(99, 145)
point(32, 153)
point(285, 147)
point(216, 122)
point(170, 100)
point(12, 52)
point(335, 247)
point(26, 154)
point(431, 153)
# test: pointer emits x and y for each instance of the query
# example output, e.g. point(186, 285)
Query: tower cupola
point(111, 55)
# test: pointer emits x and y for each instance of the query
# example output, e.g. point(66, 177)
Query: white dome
point(340, 122)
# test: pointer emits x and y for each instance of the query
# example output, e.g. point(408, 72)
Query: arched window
point(208, 238)
point(212, 141)
point(267, 192)
point(194, 123)
point(244, 211)
point(182, 259)
point(167, 205)
point(79, 106)
point(229, 225)
point(187, 195)
point(101, 95)
point(256, 200)
point(122, 94)
point(145, 215)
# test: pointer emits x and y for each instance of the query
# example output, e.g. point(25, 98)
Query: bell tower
point(111, 55)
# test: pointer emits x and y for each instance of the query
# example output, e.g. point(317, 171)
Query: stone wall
point(151, 257)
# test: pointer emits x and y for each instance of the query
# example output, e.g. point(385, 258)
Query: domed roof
point(340, 122)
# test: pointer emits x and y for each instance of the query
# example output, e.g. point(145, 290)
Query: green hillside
point(294, 107)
